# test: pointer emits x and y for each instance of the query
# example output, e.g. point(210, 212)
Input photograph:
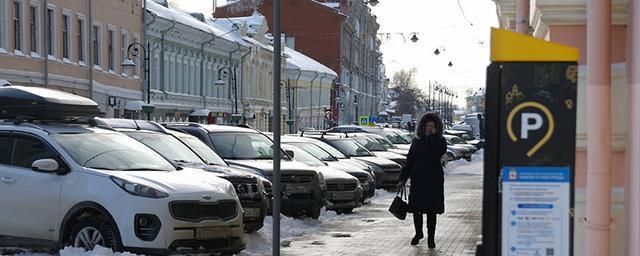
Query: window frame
point(17, 27)
point(124, 43)
point(96, 42)
point(111, 51)
point(4, 22)
point(34, 29)
point(67, 16)
point(50, 32)
point(136, 69)
point(81, 39)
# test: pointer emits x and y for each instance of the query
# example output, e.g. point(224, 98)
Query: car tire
point(92, 231)
point(314, 213)
point(253, 226)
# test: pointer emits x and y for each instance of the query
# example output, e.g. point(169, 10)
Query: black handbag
point(399, 206)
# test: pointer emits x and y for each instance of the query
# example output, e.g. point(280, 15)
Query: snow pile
point(71, 251)
point(462, 166)
point(259, 243)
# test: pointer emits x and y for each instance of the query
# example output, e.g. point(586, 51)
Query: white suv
point(80, 185)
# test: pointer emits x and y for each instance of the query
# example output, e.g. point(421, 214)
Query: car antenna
point(134, 121)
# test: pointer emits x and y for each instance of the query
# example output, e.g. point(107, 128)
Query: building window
point(80, 37)
point(3, 24)
point(110, 49)
point(33, 29)
point(66, 37)
point(17, 30)
point(124, 43)
point(136, 69)
point(50, 32)
point(96, 45)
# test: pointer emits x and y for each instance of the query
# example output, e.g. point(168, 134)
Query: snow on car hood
point(403, 146)
point(388, 155)
point(383, 162)
point(403, 152)
point(265, 167)
point(349, 168)
point(331, 174)
point(187, 180)
point(352, 162)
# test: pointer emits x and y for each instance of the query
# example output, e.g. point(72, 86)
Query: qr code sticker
point(550, 252)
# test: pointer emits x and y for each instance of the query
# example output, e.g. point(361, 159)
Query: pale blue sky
point(439, 24)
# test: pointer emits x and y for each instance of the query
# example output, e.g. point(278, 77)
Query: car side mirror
point(290, 153)
point(45, 165)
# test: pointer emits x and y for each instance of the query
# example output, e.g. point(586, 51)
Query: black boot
point(417, 223)
point(431, 230)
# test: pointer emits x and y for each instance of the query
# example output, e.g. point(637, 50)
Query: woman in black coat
point(426, 195)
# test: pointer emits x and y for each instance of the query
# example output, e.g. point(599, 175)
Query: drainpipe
point(632, 190)
point(598, 220)
point(232, 71)
point(162, 37)
point(311, 98)
point(320, 93)
point(46, 39)
point(242, 59)
point(202, 94)
point(522, 16)
point(295, 89)
point(90, 48)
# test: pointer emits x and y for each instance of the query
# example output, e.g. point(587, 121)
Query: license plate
point(212, 232)
point(252, 212)
point(295, 189)
point(343, 196)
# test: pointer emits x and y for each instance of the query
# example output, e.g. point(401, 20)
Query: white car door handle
point(7, 180)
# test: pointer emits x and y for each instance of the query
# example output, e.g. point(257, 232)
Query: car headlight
point(370, 178)
point(138, 189)
point(321, 181)
point(230, 190)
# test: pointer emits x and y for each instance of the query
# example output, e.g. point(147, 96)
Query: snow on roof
point(255, 19)
point(188, 20)
point(297, 60)
point(227, 25)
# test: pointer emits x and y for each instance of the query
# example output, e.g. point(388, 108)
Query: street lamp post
point(355, 103)
point(221, 82)
point(133, 50)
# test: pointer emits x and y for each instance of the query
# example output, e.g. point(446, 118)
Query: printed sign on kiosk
point(530, 147)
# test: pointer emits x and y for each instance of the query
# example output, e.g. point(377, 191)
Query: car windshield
point(204, 151)
point(167, 145)
point(369, 144)
point(314, 150)
point(330, 149)
point(111, 151)
point(384, 142)
point(303, 157)
point(350, 147)
point(406, 136)
point(242, 145)
point(395, 138)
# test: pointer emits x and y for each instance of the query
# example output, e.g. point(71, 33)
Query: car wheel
point(314, 213)
point(92, 231)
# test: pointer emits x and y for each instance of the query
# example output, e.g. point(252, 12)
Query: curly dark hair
point(429, 117)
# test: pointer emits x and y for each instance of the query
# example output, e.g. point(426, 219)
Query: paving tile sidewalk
point(371, 230)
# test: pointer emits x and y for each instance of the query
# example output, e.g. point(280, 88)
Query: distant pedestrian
point(426, 195)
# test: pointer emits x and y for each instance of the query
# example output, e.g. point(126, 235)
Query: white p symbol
point(527, 126)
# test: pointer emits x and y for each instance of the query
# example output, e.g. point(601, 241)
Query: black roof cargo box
point(21, 102)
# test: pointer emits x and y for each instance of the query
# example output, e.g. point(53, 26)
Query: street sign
point(530, 147)
point(364, 120)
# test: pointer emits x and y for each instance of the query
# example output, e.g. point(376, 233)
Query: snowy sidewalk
point(372, 230)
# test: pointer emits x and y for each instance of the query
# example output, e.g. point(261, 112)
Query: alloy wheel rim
point(88, 238)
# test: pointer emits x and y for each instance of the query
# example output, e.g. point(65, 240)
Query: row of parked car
point(69, 178)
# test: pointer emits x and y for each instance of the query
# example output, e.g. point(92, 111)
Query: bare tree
point(410, 98)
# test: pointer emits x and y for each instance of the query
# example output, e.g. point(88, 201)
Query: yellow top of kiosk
point(511, 46)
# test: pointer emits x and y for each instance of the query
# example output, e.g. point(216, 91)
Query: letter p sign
point(530, 122)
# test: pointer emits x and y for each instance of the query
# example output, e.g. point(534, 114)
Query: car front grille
point(391, 169)
point(362, 178)
point(296, 178)
point(244, 186)
point(195, 211)
point(342, 186)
